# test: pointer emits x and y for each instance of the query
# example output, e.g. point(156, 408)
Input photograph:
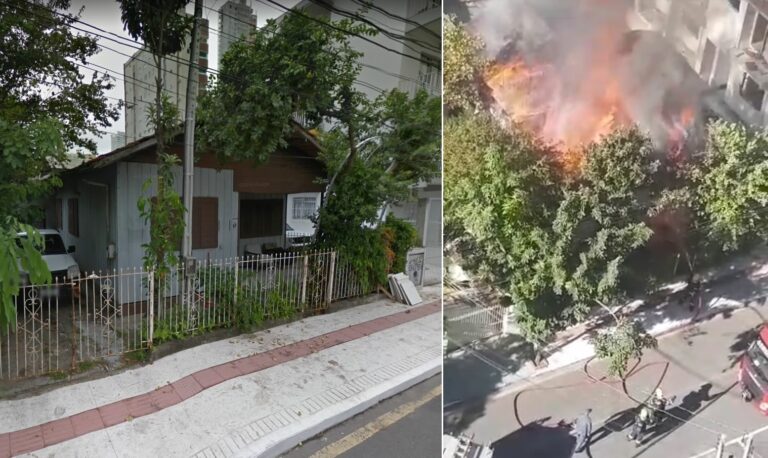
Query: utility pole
point(189, 166)
point(189, 132)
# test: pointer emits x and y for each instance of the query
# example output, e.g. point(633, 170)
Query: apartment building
point(724, 41)
point(236, 19)
point(139, 73)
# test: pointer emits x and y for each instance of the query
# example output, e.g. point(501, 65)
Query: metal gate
point(471, 316)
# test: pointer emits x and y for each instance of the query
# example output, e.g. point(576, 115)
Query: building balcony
point(425, 13)
point(429, 82)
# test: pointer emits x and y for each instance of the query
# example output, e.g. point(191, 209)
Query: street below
point(406, 425)
point(698, 365)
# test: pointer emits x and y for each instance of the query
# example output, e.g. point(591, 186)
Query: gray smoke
point(589, 45)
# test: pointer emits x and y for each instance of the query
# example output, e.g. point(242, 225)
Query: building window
point(59, 220)
point(735, 3)
point(759, 33)
point(304, 207)
point(261, 218)
point(205, 223)
point(752, 92)
point(429, 74)
point(73, 217)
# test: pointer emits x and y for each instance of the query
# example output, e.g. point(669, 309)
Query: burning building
point(574, 71)
point(724, 41)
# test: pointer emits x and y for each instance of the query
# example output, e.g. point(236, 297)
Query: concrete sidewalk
point(743, 282)
point(257, 394)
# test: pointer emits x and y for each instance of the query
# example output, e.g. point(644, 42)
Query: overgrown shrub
point(401, 236)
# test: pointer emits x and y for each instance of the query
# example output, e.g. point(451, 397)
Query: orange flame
point(571, 112)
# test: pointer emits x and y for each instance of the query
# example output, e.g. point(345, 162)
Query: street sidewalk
point(257, 394)
point(742, 282)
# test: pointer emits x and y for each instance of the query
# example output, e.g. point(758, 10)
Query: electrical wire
point(395, 16)
point(331, 26)
point(170, 58)
point(271, 32)
point(392, 35)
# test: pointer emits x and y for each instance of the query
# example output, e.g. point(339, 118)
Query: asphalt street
point(406, 425)
point(698, 365)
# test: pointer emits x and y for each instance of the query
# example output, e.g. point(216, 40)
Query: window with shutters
point(205, 223)
point(73, 217)
point(261, 218)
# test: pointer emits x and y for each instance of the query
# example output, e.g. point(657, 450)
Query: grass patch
point(58, 375)
point(136, 357)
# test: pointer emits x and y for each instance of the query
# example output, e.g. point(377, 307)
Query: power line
point(394, 36)
point(331, 26)
point(325, 51)
point(395, 16)
point(140, 48)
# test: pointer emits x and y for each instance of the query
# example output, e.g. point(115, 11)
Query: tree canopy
point(40, 75)
point(463, 67)
point(46, 108)
point(293, 66)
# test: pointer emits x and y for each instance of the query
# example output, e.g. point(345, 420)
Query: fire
point(577, 97)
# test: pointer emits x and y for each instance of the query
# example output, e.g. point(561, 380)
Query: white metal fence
point(100, 315)
point(471, 316)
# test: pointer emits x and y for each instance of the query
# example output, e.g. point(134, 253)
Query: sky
point(106, 15)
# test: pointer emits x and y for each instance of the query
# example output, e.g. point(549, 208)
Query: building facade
point(139, 73)
point(117, 139)
point(236, 19)
point(724, 41)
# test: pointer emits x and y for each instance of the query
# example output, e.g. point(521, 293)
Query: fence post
point(332, 269)
point(234, 300)
point(304, 275)
point(151, 309)
point(505, 321)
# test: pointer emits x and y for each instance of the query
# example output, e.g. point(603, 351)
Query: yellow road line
point(365, 432)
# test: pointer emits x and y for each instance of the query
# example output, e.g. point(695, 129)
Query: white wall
point(133, 232)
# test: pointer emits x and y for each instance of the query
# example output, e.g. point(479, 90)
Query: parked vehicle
point(753, 372)
point(464, 447)
point(58, 258)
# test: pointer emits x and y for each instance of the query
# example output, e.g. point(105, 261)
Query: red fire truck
point(753, 372)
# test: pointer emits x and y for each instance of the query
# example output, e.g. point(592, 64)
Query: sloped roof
point(301, 140)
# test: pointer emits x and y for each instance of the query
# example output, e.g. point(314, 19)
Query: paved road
point(406, 425)
point(698, 366)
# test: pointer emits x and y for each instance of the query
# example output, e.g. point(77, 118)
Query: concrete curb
point(288, 438)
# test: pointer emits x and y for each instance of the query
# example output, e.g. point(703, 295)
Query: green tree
point(162, 27)
point(553, 244)
point(464, 64)
point(40, 77)
point(620, 343)
point(46, 108)
point(407, 149)
point(24, 164)
point(295, 66)
point(163, 212)
point(729, 185)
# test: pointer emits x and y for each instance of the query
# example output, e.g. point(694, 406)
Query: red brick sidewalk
point(41, 436)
